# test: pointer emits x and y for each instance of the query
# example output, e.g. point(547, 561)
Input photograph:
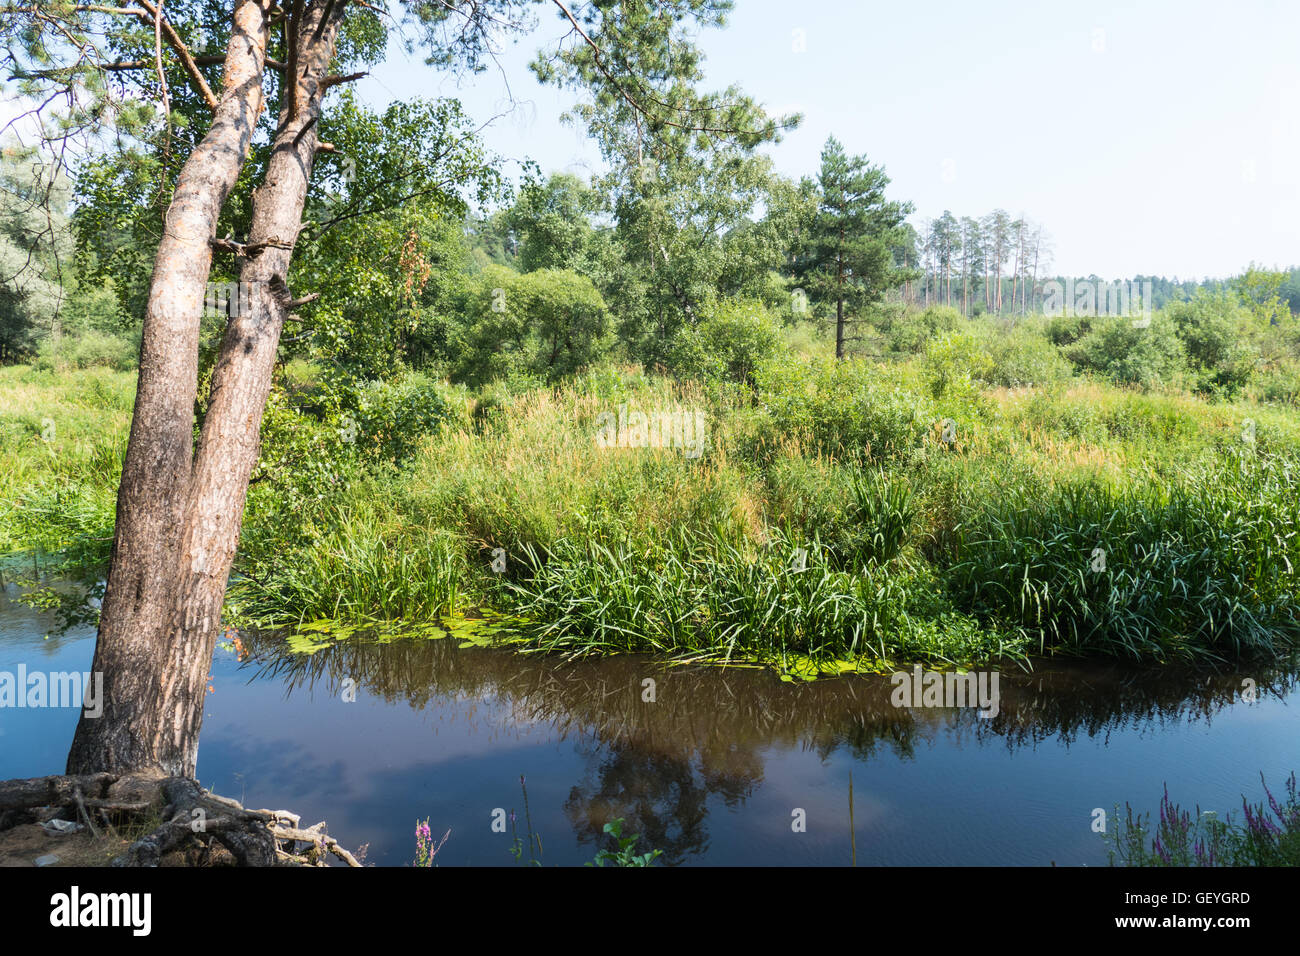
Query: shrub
point(393, 417)
point(548, 323)
point(1068, 329)
point(1213, 329)
point(910, 331)
point(850, 408)
point(1279, 384)
point(729, 343)
point(89, 350)
point(955, 361)
point(1150, 356)
point(1023, 356)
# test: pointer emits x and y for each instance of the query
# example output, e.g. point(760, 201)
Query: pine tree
point(849, 261)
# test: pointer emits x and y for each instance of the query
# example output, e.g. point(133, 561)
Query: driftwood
point(190, 816)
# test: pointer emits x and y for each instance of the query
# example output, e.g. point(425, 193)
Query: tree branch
point(182, 51)
point(329, 81)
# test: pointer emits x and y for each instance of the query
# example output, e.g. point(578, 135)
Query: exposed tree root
point(191, 817)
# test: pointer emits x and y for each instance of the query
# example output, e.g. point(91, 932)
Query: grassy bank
point(828, 515)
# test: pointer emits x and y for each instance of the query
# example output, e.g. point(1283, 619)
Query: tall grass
point(62, 441)
point(825, 519)
point(1201, 567)
point(704, 597)
point(364, 567)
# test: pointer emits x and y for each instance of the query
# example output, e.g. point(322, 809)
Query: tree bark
point(241, 379)
point(164, 729)
point(178, 520)
point(839, 296)
point(149, 708)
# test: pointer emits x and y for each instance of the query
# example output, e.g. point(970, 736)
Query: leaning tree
point(181, 499)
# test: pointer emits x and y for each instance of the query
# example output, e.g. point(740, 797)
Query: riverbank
point(831, 516)
point(138, 820)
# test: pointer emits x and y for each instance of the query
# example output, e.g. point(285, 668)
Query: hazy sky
point(1147, 137)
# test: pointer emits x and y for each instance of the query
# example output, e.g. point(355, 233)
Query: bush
point(1213, 330)
point(955, 361)
point(910, 331)
point(850, 408)
point(393, 417)
point(1068, 329)
point(1279, 384)
point(1023, 356)
point(89, 350)
point(549, 323)
point(729, 343)
point(1150, 356)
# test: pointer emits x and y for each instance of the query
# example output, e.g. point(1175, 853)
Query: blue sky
point(1147, 137)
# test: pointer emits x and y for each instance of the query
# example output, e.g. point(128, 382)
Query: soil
point(22, 845)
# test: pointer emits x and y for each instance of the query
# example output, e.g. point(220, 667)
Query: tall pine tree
point(847, 261)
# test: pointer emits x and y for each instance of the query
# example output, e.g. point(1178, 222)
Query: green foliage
point(846, 409)
point(884, 511)
point(1131, 354)
point(1172, 569)
point(34, 240)
point(1023, 356)
point(551, 226)
point(548, 323)
point(861, 516)
point(88, 350)
point(731, 341)
point(847, 262)
point(910, 331)
point(625, 854)
point(1260, 290)
point(356, 565)
point(1213, 329)
point(1279, 384)
point(705, 597)
point(682, 200)
point(1067, 329)
point(1265, 836)
point(387, 420)
point(954, 362)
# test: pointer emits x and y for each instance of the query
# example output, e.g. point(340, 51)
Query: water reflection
point(710, 770)
point(708, 734)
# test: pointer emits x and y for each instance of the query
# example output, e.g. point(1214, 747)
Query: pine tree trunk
point(151, 698)
point(178, 525)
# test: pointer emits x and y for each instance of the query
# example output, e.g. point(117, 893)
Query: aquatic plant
point(534, 839)
point(1265, 837)
point(425, 847)
point(625, 855)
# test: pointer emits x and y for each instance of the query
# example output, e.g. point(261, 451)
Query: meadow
point(972, 491)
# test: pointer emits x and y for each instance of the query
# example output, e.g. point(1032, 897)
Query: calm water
point(711, 771)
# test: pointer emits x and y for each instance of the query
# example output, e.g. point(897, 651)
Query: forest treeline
point(564, 272)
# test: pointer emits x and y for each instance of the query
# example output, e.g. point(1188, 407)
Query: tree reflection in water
point(656, 764)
